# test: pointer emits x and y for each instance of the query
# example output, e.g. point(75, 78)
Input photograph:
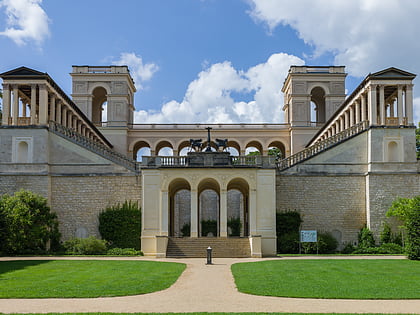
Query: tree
point(408, 211)
point(27, 225)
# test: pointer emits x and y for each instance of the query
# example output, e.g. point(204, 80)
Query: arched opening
point(99, 101)
point(22, 152)
point(393, 155)
point(234, 148)
point(253, 148)
point(183, 148)
point(318, 104)
point(237, 208)
point(179, 208)
point(209, 208)
point(277, 149)
point(164, 148)
point(140, 149)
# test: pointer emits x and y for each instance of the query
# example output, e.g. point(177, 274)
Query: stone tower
point(106, 96)
point(311, 97)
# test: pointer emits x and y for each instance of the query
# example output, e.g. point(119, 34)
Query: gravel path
point(205, 288)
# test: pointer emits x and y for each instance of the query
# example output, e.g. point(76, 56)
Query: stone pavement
point(205, 288)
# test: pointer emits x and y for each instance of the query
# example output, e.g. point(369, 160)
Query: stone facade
point(341, 171)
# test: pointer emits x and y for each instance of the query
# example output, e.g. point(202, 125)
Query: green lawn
point(204, 314)
point(84, 278)
point(334, 279)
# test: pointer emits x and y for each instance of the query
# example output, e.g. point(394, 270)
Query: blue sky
point(210, 60)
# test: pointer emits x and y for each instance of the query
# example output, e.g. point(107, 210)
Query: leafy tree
point(408, 211)
point(27, 225)
point(365, 238)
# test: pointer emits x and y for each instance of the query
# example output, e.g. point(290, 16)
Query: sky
point(211, 61)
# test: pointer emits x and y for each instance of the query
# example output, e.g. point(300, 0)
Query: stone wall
point(9, 184)
point(333, 204)
point(78, 200)
point(383, 190)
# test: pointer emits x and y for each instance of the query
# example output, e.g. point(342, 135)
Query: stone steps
point(185, 247)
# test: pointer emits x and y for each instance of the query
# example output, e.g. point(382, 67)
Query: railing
point(21, 121)
point(200, 126)
point(93, 146)
point(322, 145)
point(233, 161)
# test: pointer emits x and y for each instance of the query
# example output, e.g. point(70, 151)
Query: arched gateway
point(207, 195)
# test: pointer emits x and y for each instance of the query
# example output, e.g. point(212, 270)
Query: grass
point(333, 279)
point(202, 313)
point(84, 278)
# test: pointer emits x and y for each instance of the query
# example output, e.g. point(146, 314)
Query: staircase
point(322, 145)
point(233, 247)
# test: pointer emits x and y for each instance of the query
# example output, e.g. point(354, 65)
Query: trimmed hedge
point(120, 225)
point(85, 246)
point(287, 230)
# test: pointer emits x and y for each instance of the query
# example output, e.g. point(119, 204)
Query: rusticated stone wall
point(383, 190)
point(333, 204)
point(78, 200)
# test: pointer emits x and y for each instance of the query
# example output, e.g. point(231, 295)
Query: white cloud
point(364, 35)
point(209, 97)
point(26, 21)
point(139, 71)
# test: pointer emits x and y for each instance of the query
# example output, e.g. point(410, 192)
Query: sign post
point(308, 236)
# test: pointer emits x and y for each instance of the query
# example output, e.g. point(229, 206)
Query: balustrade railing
point(322, 145)
point(96, 147)
point(184, 161)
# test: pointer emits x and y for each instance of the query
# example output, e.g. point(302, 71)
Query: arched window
point(318, 114)
point(99, 105)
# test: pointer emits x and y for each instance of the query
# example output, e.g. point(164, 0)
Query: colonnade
point(379, 104)
point(38, 104)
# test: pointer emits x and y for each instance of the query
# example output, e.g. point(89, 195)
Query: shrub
point(408, 211)
point(348, 249)
point(186, 229)
point(365, 238)
point(235, 226)
point(288, 243)
point(124, 252)
point(388, 248)
point(27, 226)
point(85, 246)
point(287, 231)
point(120, 225)
point(208, 226)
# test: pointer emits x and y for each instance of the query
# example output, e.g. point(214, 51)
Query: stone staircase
point(232, 247)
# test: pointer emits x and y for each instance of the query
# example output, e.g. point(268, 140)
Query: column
point(64, 117)
point(400, 106)
point(194, 213)
point(223, 213)
point(337, 126)
point(52, 108)
point(409, 104)
point(24, 104)
point(341, 123)
point(6, 104)
point(33, 104)
point(357, 107)
point(164, 214)
point(346, 119)
point(382, 105)
point(15, 112)
point(351, 112)
point(363, 108)
point(372, 106)
point(253, 212)
point(43, 104)
point(58, 112)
